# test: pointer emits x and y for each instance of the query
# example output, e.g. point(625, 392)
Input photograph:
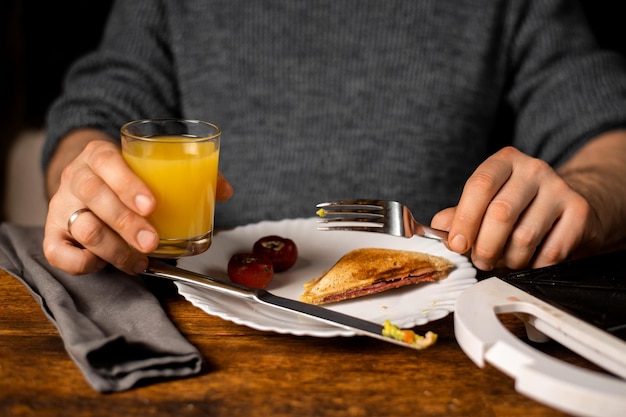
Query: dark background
point(38, 41)
point(40, 38)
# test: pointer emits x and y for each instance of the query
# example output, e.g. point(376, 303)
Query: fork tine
point(362, 203)
point(353, 228)
point(373, 220)
point(352, 214)
point(382, 216)
point(355, 210)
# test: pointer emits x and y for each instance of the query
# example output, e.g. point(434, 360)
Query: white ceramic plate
point(317, 251)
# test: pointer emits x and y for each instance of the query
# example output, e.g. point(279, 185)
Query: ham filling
point(379, 286)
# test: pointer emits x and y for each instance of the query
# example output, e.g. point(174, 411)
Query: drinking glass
point(178, 160)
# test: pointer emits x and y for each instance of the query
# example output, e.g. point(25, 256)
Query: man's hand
point(89, 172)
point(115, 229)
point(516, 209)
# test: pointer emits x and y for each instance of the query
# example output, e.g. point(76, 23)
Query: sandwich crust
point(372, 270)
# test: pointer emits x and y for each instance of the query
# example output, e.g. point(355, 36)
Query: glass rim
point(124, 129)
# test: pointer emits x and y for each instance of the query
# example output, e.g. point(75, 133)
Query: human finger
point(479, 190)
point(83, 185)
point(63, 253)
point(442, 221)
point(533, 226)
point(105, 184)
point(567, 232)
point(106, 162)
point(95, 237)
point(503, 213)
point(78, 242)
point(224, 188)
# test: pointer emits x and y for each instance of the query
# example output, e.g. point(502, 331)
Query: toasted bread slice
point(368, 271)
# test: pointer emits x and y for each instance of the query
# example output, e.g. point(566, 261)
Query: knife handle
point(161, 269)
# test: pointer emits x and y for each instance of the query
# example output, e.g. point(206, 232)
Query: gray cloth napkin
point(112, 325)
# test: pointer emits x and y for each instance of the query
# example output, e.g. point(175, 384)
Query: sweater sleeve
point(130, 76)
point(564, 89)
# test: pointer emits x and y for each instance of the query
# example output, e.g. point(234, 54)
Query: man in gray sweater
point(500, 120)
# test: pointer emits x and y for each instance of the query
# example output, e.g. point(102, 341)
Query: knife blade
point(161, 269)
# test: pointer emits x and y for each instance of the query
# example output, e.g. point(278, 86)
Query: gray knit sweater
point(334, 99)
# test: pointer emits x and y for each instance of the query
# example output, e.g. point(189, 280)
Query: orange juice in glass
point(178, 160)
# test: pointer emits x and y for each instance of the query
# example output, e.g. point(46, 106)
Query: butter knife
point(161, 269)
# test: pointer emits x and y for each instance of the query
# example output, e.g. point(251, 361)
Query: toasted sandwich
point(369, 271)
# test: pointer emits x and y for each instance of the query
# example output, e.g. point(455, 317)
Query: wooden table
point(254, 373)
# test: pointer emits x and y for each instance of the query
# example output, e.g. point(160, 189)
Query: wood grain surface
point(254, 373)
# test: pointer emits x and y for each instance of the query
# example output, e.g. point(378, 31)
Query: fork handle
point(432, 233)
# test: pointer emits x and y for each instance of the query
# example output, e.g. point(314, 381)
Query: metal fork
point(381, 216)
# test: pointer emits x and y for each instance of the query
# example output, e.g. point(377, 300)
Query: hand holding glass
point(178, 160)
